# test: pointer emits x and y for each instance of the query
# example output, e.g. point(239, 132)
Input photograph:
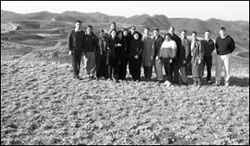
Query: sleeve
point(187, 49)
point(140, 49)
point(153, 48)
point(174, 49)
point(216, 45)
point(232, 46)
point(213, 46)
point(70, 41)
point(201, 51)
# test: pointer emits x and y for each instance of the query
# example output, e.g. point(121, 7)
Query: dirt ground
point(41, 103)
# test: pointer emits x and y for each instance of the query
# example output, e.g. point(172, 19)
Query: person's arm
point(232, 46)
point(201, 51)
point(187, 50)
point(216, 46)
point(174, 49)
point(70, 41)
point(153, 50)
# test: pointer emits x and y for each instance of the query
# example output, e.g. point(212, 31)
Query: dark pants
point(135, 67)
point(148, 72)
point(120, 67)
point(176, 67)
point(76, 60)
point(110, 62)
point(208, 64)
point(101, 67)
point(123, 68)
point(168, 69)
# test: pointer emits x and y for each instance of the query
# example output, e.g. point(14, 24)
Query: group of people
point(109, 53)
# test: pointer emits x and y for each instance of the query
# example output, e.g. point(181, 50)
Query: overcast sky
point(225, 10)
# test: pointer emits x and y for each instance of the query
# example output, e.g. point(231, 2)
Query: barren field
point(42, 104)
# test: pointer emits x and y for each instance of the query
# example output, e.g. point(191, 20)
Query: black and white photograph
point(124, 72)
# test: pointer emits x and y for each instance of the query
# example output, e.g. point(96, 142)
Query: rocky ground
point(42, 104)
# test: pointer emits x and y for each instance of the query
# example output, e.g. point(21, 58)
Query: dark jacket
point(91, 43)
point(76, 40)
point(185, 50)
point(102, 46)
point(177, 40)
point(208, 47)
point(122, 49)
point(158, 42)
point(135, 48)
point(224, 46)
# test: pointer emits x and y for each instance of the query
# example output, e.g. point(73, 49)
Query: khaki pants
point(223, 60)
point(155, 66)
point(90, 63)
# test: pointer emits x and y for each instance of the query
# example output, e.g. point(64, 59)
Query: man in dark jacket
point(224, 47)
point(76, 40)
point(158, 42)
point(176, 63)
point(185, 54)
point(208, 50)
point(91, 44)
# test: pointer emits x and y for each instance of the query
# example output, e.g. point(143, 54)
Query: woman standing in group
point(111, 54)
point(120, 56)
point(101, 68)
point(147, 54)
point(197, 53)
point(135, 56)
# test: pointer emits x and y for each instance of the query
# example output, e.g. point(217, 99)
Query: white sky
point(225, 10)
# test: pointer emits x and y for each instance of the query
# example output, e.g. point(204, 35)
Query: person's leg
point(175, 68)
point(92, 64)
point(98, 60)
point(218, 69)
point(150, 68)
point(87, 56)
point(226, 60)
point(183, 74)
point(123, 67)
point(155, 67)
point(209, 68)
point(159, 69)
point(138, 69)
point(75, 66)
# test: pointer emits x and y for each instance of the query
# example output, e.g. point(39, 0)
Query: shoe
point(227, 84)
point(76, 77)
point(209, 82)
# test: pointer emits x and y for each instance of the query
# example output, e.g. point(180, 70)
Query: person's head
point(119, 34)
point(89, 29)
point(146, 31)
point(171, 30)
point(167, 37)
point(207, 35)
point(101, 33)
point(78, 24)
point(194, 35)
point(183, 34)
point(113, 33)
point(156, 32)
point(113, 26)
point(136, 35)
point(125, 32)
point(223, 32)
point(132, 29)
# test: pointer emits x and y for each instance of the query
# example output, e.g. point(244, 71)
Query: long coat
point(148, 51)
point(197, 52)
